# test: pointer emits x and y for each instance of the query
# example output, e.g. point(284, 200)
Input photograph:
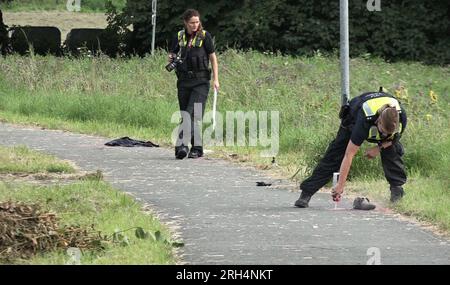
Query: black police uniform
point(355, 127)
point(4, 40)
point(193, 83)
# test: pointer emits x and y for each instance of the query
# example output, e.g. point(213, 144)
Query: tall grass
point(139, 94)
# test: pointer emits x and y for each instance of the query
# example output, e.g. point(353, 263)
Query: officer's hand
point(371, 153)
point(336, 193)
point(216, 85)
point(171, 57)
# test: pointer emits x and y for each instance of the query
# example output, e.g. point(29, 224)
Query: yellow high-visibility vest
point(196, 42)
point(370, 108)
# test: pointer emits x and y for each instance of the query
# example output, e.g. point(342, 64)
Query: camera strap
point(191, 39)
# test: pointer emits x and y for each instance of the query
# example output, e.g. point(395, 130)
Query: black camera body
point(174, 63)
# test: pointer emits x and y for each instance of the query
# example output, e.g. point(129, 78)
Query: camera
point(174, 63)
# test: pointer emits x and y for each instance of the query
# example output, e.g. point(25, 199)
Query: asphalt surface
point(224, 218)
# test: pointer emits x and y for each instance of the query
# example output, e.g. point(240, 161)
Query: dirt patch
point(63, 20)
point(48, 179)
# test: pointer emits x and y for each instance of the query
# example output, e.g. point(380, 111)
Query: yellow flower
point(401, 93)
point(433, 96)
point(405, 91)
point(428, 117)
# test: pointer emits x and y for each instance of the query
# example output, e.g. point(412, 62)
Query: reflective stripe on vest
point(374, 134)
point(371, 106)
point(196, 42)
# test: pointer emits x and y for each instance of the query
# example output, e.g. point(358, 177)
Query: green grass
point(95, 202)
point(86, 203)
point(137, 97)
point(427, 198)
point(48, 5)
point(22, 160)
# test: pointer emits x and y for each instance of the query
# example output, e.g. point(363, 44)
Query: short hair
point(389, 118)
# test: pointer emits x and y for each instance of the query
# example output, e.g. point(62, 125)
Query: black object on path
point(129, 142)
point(261, 183)
point(363, 203)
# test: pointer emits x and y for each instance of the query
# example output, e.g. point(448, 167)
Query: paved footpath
point(224, 218)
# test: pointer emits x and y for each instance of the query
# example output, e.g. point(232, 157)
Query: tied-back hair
point(389, 118)
point(188, 14)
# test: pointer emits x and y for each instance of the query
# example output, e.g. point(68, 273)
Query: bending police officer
point(376, 117)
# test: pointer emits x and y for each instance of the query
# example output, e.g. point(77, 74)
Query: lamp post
point(154, 2)
point(345, 70)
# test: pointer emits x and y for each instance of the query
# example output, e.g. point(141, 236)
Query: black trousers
point(190, 93)
point(391, 159)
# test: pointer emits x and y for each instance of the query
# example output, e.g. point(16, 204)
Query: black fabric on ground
point(129, 142)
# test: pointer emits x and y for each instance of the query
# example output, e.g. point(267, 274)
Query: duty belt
point(191, 74)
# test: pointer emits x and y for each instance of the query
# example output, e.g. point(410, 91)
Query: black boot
point(181, 152)
point(396, 193)
point(303, 201)
point(195, 153)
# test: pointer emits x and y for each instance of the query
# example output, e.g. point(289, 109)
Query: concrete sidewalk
point(224, 218)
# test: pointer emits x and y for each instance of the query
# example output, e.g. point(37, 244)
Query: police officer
point(192, 50)
point(376, 117)
point(4, 40)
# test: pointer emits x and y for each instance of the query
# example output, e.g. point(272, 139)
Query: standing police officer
point(4, 40)
point(376, 117)
point(190, 54)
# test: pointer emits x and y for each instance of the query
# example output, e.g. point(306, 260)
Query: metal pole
point(154, 2)
point(345, 71)
point(214, 108)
